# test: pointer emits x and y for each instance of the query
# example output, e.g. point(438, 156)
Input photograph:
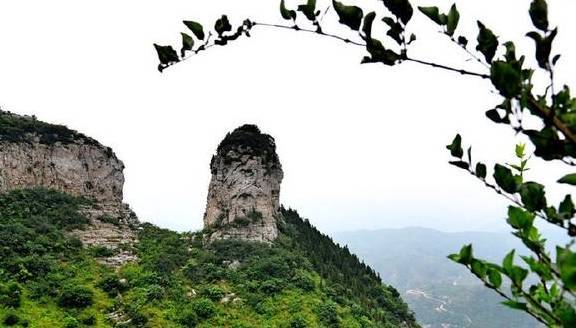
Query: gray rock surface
point(39, 154)
point(244, 192)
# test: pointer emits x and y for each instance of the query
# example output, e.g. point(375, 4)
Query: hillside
point(440, 292)
point(302, 280)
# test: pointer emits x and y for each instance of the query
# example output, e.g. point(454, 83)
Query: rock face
point(244, 193)
point(35, 153)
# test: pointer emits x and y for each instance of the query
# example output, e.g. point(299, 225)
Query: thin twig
point(452, 69)
point(297, 28)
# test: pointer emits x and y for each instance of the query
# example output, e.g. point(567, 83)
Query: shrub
point(10, 294)
point(111, 285)
point(102, 251)
point(71, 322)
point(298, 321)
point(303, 282)
point(87, 318)
point(75, 297)
point(10, 319)
point(214, 293)
point(204, 308)
point(327, 313)
point(187, 318)
point(271, 287)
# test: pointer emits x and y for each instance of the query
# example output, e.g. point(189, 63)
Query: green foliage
point(554, 138)
point(73, 296)
point(16, 128)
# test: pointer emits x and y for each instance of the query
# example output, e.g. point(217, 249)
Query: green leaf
point(222, 25)
point(539, 14)
point(516, 305)
point(434, 14)
point(456, 147)
point(494, 116)
point(494, 277)
point(367, 27)
point(568, 179)
point(460, 164)
point(505, 179)
point(187, 43)
point(166, 54)
point(480, 170)
point(350, 16)
point(466, 255)
point(566, 208)
point(566, 261)
point(508, 261)
point(519, 218)
point(379, 54)
point(286, 14)
point(478, 268)
point(533, 196)
point(453, 18)
point(309, 10)
point(196, 29)
point(401, 9)
point(506, 77)
point(487, 42)
point(395, 31)
point(543, 47)
point(519, 150)
point(517, 275)
point(566, 312)
point(462, 41)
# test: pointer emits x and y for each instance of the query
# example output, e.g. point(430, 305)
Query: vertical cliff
point(38, 154)
point(244, 192)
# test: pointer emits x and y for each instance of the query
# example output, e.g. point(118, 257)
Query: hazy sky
point(362, 146)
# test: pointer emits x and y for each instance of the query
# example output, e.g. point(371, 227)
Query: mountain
point(73, 255)
point(442, 293)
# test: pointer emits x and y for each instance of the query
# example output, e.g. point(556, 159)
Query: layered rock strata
point(244, 192)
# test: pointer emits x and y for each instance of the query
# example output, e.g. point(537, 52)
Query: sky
point(362, 146)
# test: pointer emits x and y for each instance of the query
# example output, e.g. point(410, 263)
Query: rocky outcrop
point(35, 153)
point(244, 192)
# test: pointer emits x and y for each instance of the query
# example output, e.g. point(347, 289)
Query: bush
point(214, 293)
point(102, 251)
point(111, 285)
point(71, 322)
point(327, 313)
point(298, 322)
point(204, 308)
point(10, 294)
point(87, 318)
point(303, 282)
point(75, 297)
point(11, 319)
point(187, 318)
point(271, 287)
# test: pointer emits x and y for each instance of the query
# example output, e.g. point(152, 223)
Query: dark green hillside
point(18, 128)
point(303, 280)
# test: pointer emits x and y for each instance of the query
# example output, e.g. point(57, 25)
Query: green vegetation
point(49, 280)
point(249, 138)
point(16, 128)
point(532, 104)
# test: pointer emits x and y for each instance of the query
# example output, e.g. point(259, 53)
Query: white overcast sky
point(362, 146)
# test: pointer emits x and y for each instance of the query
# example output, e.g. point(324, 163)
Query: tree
point(545, 285)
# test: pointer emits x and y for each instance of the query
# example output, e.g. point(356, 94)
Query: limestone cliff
point(35, 153)
point(244, 192)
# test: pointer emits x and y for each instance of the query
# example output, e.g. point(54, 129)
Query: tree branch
point(448, 68)
point(547, 113)
point(297, 28)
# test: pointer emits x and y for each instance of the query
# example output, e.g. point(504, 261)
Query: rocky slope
point(38, 154)
point(244, 192)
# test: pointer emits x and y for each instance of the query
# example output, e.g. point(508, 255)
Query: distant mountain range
point(442, 294)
